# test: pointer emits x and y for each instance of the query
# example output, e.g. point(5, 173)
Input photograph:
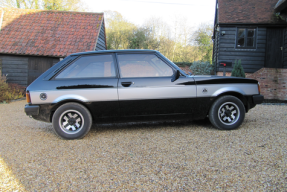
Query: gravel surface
point(174, 156)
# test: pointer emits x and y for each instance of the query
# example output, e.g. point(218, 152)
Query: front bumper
point(32, 109)
point(257, 99)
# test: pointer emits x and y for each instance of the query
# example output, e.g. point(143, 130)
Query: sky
point(192, 12)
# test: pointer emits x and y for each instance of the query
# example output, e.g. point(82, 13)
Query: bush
point(238, 70)
point(202, 68)
point(10, 91)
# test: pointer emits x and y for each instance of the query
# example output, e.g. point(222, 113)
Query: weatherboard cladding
point(48, 33)
point(246, 11)
point(251, 59)
point(23, 70)
point(285, 49)
point(16, 68)
point(215, 47)
point(281, 5)
point(101, 43)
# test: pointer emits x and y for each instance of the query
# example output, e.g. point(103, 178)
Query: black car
point(91, 86)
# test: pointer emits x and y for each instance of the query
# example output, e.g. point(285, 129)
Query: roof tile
point(48, 33)
point(246, 11)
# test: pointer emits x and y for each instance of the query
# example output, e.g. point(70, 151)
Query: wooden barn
point(31, 41)
point(255, 32)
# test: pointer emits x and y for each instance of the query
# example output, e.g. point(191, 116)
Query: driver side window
point(143, 65)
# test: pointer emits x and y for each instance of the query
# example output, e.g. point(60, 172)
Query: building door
point(38, 65)
point(274, 48)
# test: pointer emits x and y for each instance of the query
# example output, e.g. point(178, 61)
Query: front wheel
point(227, 113)
point(72, 121)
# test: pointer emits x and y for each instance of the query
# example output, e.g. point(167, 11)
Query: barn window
point(246, 38)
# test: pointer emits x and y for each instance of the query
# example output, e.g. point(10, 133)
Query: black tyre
point(227, 113)
point(72, 121)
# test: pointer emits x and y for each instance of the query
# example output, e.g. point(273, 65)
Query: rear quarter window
point(92, 66)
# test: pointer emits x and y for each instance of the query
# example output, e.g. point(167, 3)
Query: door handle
point(127, 84)
point(281, 48)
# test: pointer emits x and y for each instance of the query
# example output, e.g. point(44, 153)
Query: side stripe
point(84, 95)
point(215, 90)
point(141, 93)
point(226, 81)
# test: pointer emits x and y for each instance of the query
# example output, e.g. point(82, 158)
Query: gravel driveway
point(182, 156)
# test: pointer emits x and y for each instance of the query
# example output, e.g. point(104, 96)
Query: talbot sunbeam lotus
point(93, 86)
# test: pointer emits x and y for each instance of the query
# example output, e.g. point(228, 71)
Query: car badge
point(204, 90)
point(43, 96)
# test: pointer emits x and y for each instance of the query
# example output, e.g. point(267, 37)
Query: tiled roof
point(48, 33)
point(246, 11)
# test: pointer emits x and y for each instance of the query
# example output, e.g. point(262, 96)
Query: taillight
point(259, 87)
point(28, 98)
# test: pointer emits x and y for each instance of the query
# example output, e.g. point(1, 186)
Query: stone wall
point(273, 82)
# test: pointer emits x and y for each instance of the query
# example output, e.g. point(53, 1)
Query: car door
point(145, 87)
point(91, 79)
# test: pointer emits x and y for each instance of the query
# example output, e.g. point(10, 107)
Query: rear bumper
point(257, 99)
point(32, 109)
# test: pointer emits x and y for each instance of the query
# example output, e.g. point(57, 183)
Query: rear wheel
point(227, 113)
point(72, 121)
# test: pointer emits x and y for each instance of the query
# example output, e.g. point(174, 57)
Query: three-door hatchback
point(88, 87)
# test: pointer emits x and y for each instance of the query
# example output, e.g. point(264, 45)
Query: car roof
point(117, 51)
point(126, 51)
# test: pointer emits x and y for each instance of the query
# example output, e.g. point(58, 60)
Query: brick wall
point(226, 73)
point(273, 82)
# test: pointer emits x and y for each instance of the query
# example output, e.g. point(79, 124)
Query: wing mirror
point(175, 76)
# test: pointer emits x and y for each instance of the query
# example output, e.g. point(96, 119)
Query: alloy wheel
point(228, 113)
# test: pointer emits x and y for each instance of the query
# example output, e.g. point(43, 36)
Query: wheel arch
point(57, 105)
point(243, 98)
point(220, 114)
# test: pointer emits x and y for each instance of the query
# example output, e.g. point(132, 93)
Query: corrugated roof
point(246, 11)
point(48, 33)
